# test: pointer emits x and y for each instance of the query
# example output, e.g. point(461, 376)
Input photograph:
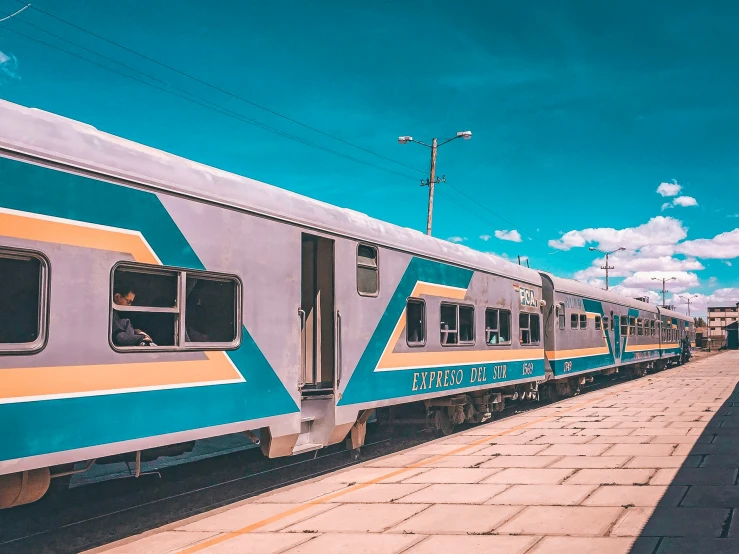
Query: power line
point(198, 100)
point(222, 90)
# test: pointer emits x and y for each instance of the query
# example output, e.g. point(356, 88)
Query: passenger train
point(148, 302)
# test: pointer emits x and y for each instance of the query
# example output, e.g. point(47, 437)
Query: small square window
point(574, 321)
point(597, 323)
point(529, 332)
point(497, 326)
point(457, 324)
point(561, 315)
point(466, 324)
point(368, 274)
point(605, 323)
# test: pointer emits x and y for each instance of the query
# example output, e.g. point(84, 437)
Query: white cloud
point(669, 189)
point(645, 280)
point(512, 235)
point(698, 304)
point(727, 262)
point(733, 215)
point(626, 263)
point(659, 230)
point(485, 237)
point(685, 201)
point(666, 205)
point(457, 239)
point(712, 282)
point(8, 66)
point(724, 245)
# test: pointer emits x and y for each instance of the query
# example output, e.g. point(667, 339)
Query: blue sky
point(579, 112)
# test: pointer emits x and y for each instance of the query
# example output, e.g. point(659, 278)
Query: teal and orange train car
point(148, 302)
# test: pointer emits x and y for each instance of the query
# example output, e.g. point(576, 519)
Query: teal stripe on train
point(368, 385)
point(33, 428)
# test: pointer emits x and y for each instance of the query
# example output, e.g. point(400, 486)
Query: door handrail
point(302, 316)
point(338, 349)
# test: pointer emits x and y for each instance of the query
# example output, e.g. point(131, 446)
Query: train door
point(317, 315)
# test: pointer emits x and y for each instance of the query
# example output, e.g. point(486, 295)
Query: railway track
point(85, 517)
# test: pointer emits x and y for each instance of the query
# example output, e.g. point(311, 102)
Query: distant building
point(721, 314)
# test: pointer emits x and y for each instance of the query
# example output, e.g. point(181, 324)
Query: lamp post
point(664, 279)
point(606, 267)
point(688, 298)
point(433, 180)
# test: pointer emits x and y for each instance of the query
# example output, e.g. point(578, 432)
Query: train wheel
point(443, 423)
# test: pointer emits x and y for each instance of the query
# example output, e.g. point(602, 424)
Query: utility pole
point(433, 180)
point(664, 291)
point(607, 267)
point(688, 298)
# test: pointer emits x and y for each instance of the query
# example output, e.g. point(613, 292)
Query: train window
point(632, 325)
point(561, 315)
point(612, 321)
point(583, 321)
point(466, 324)
point(639, 326)
point(415, 325)
point(368, 274)
point(624, 326)
point(528, 325)
point(605, 323)
point(651, 327)
point(174, 309)
point(573, 321)
point(23, 303)
point(497, 326)
point(449, 324)
point(597, 323)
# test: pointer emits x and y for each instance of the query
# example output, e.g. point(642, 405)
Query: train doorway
point(317, 315)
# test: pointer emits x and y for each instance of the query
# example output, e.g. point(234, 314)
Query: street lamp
point(663, 286)
point(688, 298)
point(433, 180)
point(593, 249)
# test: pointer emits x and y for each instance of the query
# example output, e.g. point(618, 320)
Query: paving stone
point(705, 476)
point(365, 474)
point(664, 476)
point(528, 476)
point(595, 462)
point(681, 440)
point(256, 543)
point(641, 450)
point(460, 493)
point(611, 477)
point(583, 545)
point(371, 518)
point(562, 439)
point(575, 450)
point(543, 495)
point(378, 492)
point(670, 545)
point(166, 541)
point(712, 497)
point(251, 513)
point(341, 543)
point(512, 449)
point(593, 425)
point(443, 519)
point(666, 432)
point(664, 461)
point(631, 439)
point(434, 449)
point(613, 432)
point(640, 496)
point(718, 460)
point(398, 460)
point(301, 493)
point(561, 520)
point(519, 461)
point(458, 461)
point(453, 475)
point(441, 544)
point(675, 522)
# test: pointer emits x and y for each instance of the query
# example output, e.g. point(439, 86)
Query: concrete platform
point(646, 466)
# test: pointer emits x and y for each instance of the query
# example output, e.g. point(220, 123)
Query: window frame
point(510, 326)
point(583, 318)
point(521, 329)
point(639, 327)
point(180, 309)
point(561, 316)
point(421, 301)
point(605, 322)
point(632, 326)
point(574, 321)
point(375, 267)
point(598, 323)
point(457, 330)
point(44, 303)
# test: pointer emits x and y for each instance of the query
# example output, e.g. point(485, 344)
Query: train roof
point(581, 289)
point(41, 137)
point(677, 315)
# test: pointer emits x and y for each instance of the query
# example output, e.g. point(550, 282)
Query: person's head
point(123, 294)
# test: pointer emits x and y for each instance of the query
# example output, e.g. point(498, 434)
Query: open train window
point(24, 282)
point(415, 322)
point(368, 270)
point(597, 323)
point(574, 321)
point(561, 315)
point(639, 326)
point(497, 326)
point(457, 324)
point(174, 309)
point(528, 326)
point(583, 321)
